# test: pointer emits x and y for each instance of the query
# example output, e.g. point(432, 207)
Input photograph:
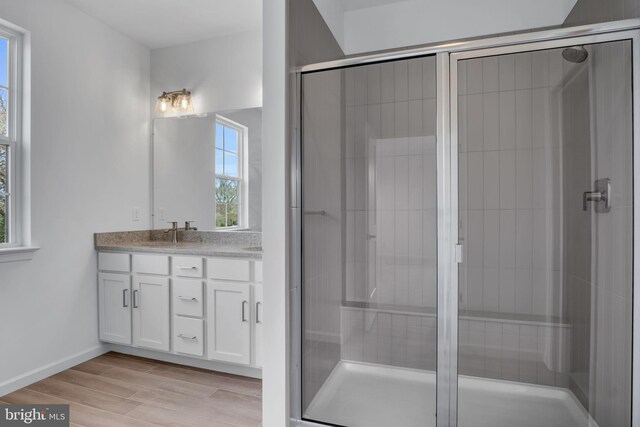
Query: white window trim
point(243, 171)
point(19, 247)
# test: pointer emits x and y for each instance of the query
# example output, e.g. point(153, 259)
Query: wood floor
point(120, 390)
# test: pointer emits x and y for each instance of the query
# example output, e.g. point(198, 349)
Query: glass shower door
point(545, 217)
point(369, 245)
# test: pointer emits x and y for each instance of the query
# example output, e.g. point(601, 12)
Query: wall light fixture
point(178, 100)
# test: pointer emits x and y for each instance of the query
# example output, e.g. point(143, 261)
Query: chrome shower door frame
point(449, 255)
point(569, 40)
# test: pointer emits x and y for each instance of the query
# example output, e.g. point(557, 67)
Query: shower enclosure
point(463, 222)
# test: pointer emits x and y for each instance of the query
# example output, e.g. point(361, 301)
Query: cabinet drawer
point(188, 335)
point(151, 264)
point(229, 269)
point(108, 261)
point(258, 270)
point(187, 297)
point(186, 266)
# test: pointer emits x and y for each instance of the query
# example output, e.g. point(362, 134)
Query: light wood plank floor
point(120, 390)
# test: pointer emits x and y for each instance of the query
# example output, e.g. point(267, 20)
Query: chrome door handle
point(601, 196)
point(135, 299)
point(258, 304)
point(124, 298)
point(188, 298)
point(194, 338)
point(244, 318)
point(591, 196)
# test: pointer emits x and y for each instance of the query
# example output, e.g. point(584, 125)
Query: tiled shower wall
point(391, 183)
point(509, 163)
point(608, 273)
point(390, 237)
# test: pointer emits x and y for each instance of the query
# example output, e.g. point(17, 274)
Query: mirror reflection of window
point(229, 173)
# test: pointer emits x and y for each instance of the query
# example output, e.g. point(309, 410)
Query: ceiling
point(162, 23)
point(370, 25)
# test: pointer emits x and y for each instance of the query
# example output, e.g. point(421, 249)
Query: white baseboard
point(228, 368)
point(38, 374)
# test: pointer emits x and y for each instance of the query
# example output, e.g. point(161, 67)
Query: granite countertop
point(236, 244)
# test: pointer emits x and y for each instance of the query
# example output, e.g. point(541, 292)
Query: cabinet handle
point(244, 319)
point(124, 298)
point(258, 304)
point(193, 267)
point(194, 338)
point(188, 298)
point(135, 299)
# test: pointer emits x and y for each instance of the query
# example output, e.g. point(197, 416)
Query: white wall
point(275, 373)
point(90, 166)
point(413, 22)
point(224, 73)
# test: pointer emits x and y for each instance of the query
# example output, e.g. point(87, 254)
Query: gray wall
point(592, 11)
point(310, 41)
point(603, 294)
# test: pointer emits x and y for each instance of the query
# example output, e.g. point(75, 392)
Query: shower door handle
point(590, 196)
point(601, 196)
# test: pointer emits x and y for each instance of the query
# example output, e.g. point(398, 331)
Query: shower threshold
point(366, 395)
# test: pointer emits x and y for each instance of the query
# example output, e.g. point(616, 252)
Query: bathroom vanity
point(198, 300)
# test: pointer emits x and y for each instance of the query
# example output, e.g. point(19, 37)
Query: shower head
point(575, 54)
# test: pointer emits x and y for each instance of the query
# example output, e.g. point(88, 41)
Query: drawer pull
point(244, 318)
point(186, 337)
point(188, 298)
point(193, 267)
point(258, 304)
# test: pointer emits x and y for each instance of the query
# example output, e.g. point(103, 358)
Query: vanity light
point(178, 100)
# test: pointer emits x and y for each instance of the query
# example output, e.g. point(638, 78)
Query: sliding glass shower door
point(545, 148)
point(467, 233)
point(369, 245)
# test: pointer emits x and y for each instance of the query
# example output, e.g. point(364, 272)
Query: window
point(14, 197)
point(230, 167)
point(9, 140)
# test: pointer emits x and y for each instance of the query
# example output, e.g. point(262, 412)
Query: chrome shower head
point(575, 54)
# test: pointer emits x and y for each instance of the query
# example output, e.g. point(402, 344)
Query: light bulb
point(162, 105)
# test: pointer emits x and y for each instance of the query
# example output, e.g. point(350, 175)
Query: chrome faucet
point(174, 231)
point(188, 227)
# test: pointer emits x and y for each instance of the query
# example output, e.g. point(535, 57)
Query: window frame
point(242, 178)
point(13, 139)
point(18, 246)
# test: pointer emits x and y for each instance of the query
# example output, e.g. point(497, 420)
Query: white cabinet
point(187, 266)
point(187, 297)
point(229, 322)
point(229, 269)
point(209, 308)
point(257, 329)
point(188, 335)
point(150, 303)
point(114, 307)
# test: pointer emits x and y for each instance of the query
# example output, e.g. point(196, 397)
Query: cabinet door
point(229, 322)
point(150, 302)
point(257, 321)
point(114, 307)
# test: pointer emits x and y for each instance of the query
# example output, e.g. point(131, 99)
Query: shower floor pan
point(365, 395)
